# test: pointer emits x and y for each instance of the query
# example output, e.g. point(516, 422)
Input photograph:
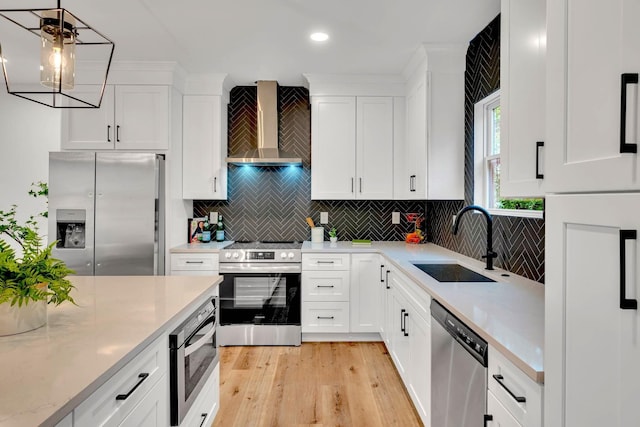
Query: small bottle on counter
point(220, 230)
point(206, 231)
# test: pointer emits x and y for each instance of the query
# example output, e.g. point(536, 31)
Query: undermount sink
point(451, 272)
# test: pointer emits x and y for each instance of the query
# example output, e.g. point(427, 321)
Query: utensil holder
point(317, 235)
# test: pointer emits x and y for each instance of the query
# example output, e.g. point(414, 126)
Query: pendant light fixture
point(65, 65)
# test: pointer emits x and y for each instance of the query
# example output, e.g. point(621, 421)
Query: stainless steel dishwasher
point(458, 372)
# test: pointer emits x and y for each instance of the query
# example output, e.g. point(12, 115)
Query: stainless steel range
point(260, 295)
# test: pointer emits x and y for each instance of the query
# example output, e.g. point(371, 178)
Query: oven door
point(191, 365)
point(266, 298)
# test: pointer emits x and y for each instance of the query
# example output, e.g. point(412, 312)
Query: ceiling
point(269, 39)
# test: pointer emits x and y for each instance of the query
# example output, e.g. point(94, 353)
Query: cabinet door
point(142, 117)
point(400, 350)
point(522, 97)
point(89, 128)
point(585, 120)
point(419, 331)
point(374, 148)
point(500, 417)
point(592, 345)
point(366, 293)
point(416, 140)
point(152, 410)
point(204, 146)
point(333, 148)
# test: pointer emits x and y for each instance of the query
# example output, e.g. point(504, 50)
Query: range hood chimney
point(267, 152)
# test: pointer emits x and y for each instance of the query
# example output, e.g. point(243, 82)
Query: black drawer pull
point(626, 79)
point(381, 269)
point(539, 144)
point(325, 317)
point(118, 133)
point(626, 303)
point(326, 262)
point(142, 377)
point(204, 418)
point(487, 418)
point(108, 133)
point(499, 379)
point(325, 286)
point(386, 280)
point(402, 325)
point(406, 333)
point(194, 262)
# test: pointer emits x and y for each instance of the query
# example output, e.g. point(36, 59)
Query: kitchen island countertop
point(47, 372)
point(508, 313)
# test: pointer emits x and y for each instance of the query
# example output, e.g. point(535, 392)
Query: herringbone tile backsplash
point(271, 203)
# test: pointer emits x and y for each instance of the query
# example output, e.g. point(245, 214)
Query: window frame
point(481, 136)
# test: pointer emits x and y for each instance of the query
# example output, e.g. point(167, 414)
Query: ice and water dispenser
point(70, 228)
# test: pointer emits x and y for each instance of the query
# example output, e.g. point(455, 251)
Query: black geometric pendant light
point(54, 58)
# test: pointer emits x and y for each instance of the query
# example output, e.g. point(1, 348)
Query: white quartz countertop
point(49, 371)
point(200, 247)
point(509, 313)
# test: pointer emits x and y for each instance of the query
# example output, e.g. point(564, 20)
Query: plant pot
point(333, 239)
point(16, 320)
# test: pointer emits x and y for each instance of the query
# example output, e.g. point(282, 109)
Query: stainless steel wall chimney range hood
point(267, 152)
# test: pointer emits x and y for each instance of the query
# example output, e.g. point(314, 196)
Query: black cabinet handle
point(539, 144)
point(325, 286)
point(142, 377)
point(406, 334)
point(118, 133)
point(194, 262)
point(625, 303)
point(499, 379)
point(381, 270)
point(487, 418)
point(386, 279)
point(360, 179)
point(626, 79)
point(204, 418)
point(412, 183)
point(325, 317)
point(402, 325)
point(352, 184)
point(108, 133)
point(215, 184)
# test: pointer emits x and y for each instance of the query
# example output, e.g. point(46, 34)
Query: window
point(487, 163)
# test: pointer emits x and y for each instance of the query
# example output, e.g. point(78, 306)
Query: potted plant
point(30, 278)
point(333, 235)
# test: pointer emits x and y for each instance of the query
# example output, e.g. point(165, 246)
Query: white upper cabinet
point(429, 160)
point(522, 97)
point(333, 148)
point(204, 145)
point(131, 117)
point(592, 95)
point(351, 148)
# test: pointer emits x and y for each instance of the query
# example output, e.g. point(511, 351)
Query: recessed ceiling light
point(319, 37)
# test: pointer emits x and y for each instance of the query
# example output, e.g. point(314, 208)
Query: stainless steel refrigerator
point(106, 212)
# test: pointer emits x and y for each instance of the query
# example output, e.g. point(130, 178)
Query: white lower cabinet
point(365, 303)
point(194, 264)
point(410, 340)
point(123, 398)
point(592, 323)
point(517, 394)
point(325, 293)
point(500, 417)
point(206, 406)
point(152, 410)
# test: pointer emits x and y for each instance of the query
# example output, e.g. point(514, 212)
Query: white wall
point(28, 131)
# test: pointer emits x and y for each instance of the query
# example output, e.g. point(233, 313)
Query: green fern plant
point(22, 275)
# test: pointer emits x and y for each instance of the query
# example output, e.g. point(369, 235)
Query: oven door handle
point(188, 349)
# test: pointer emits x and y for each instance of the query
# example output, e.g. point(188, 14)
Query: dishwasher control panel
point(461, 332)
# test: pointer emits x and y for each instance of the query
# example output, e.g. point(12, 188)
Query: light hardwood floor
point(316, 384)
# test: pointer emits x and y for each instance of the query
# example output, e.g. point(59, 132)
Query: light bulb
point(57, 51)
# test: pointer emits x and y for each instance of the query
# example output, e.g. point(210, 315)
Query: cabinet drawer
point(194, 262)
point(325, 261)
point(500, 416)
point(102, 408)
point(205, 408)
point(512, 380)
point(325, 286)
point(325, 317)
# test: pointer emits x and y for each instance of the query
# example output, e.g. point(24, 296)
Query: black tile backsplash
point(271, 203)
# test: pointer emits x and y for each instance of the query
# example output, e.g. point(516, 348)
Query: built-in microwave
point(193, 355)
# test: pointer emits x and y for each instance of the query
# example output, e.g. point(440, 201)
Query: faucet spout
point(490, 255)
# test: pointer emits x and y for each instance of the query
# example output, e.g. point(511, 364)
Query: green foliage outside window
point(526, 204)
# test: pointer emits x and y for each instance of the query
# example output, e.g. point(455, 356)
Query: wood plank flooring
point(316, 384)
